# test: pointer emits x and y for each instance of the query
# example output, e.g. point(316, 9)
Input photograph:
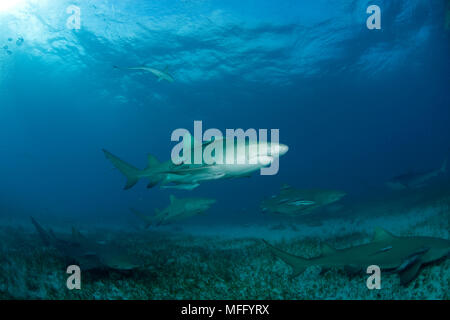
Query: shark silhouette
point(88, 253)
point(402, 255)
point(160, 74)
point(178, 209)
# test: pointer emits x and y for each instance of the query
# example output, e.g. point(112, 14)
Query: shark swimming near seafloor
point(88, 253)
point(402, 255)
point(414, 180)
point(178, 209)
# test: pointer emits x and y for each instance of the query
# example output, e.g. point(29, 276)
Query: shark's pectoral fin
point(324, 270)
point(352, 269)
point(408, 274)
point(296, 271)
point(298, 264)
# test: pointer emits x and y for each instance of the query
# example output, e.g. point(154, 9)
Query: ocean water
point(356, 107)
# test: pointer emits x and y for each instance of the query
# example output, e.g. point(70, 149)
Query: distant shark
point(161, 75)
point(402, 255)
point(416, 179)
point(189, 176)
point(292, 202)
point(88, 253)
point(177, 210)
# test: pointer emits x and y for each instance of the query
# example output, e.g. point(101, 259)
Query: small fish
point(10, 39)
point(5, 47)
point(19, 41)
point(9, 52)
point(292, 201)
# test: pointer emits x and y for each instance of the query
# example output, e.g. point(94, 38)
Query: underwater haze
point(361, 110)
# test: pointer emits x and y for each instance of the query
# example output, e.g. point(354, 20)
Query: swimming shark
point(414, 180)
point(161, 75)
point(88, 253)
point(178, 209)
point(189, 176)
point(402, 255)
point(293, 202)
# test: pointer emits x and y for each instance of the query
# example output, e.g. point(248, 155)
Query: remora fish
point(417, 179)
point(89, 254)
point(161, 75)
point(177, 210)
point(291, 201)
point(402, 255)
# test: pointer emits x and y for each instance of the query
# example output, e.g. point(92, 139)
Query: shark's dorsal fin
point(285, 186)
point(76, 235)
point(382, 235)
point(152, 161)
point(410, 273)
point(172, 198)
point(327, 249)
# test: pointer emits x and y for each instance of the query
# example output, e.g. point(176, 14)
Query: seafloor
point(227, 262)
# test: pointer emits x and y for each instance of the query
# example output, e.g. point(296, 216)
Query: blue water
point(355, 106)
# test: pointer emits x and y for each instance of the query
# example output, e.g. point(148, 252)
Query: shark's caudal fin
point(45, 236)
point(127, 169)
point(298, 264)
point(148, 220)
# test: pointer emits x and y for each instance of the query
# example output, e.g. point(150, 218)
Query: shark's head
point(265, 153)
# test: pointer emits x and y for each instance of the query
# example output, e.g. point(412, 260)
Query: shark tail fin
point(298, 264)
point(146, 219)
point(126, 169)
point(45, 236)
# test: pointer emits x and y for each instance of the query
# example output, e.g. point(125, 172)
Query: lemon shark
point(293, 202)
point(413, 180)
point(160, 74)
point(188, 176)
point(178, 209)
point(88, 253)
point(402, 255)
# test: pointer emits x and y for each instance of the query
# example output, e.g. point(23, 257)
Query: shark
point(186, 176)
point(160, 74)
point(413, 180)
point(178, 209)
point(294, 202)
point(87, 253)
point(402, 255)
